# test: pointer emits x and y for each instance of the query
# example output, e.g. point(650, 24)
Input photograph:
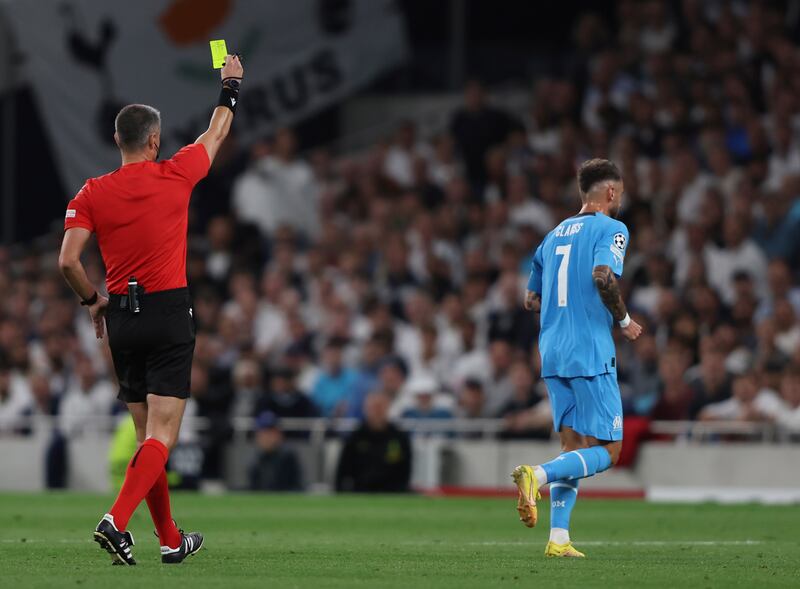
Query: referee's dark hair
point(134, 124)
point(596, 170)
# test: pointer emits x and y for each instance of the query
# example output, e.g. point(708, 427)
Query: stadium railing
point(320, 428)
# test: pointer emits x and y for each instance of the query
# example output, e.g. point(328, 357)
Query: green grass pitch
point(309, 541)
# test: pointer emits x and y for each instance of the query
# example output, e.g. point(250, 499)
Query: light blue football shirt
point(575, 337)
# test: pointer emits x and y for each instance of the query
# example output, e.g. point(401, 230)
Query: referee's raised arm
point(222, 118)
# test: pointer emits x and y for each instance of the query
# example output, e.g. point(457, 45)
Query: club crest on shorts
point(617, 424)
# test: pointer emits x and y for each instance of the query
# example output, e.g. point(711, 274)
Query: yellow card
point(218, 53)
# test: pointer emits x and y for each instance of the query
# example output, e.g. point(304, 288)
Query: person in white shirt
point(16, 399)
point(785, 158)
point(789, 418)
point(779, 279)
point(278, 190)
point(740, 254)
point(398, 164)
point(524, 208)
point(748, 403)
point(693, 186)
point(787, 336)
point(87, 398)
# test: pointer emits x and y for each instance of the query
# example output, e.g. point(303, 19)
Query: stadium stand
point(320, 278)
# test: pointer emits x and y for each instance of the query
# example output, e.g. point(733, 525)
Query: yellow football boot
point(528, 487)
point(562, 550)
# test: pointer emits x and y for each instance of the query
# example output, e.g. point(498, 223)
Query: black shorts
point(152, 350)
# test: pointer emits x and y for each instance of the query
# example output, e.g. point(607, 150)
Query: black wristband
point(90, 301)
point(228, 97)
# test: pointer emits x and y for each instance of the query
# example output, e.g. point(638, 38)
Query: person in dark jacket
point(275, 467)
point(283, 398)
point(376, 458)
point(476, 127)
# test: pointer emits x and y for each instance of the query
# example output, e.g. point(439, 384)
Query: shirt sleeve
point(191, 162)
point(535, 279)
point(611, 247)
point(79, 211)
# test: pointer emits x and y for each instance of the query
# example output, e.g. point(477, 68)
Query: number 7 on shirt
point(563, 250)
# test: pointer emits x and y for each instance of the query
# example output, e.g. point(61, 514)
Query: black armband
point(229, 97)
point(90, 301)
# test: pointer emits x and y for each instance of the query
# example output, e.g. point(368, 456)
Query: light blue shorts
point(589, 405)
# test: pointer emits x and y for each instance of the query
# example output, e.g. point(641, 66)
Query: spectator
point(748, 403)
point(675, 396)
point(391, 382)
point(283, 399)
point(375, 458)
point(275, 467)
point(335, 381)
point(476, 127)
point(423, 400)
point(375, 351)
point(740, 254)
point(278, 189)
point(789, 417)
point(401, 157)
point(87, 399)
point(472, 401)
point(787, 336)
point(15, 399)
point(711, 383)
point(641, 376)
point(527, 414)
point(498, 385)
point(779, 280)
point(247, 389)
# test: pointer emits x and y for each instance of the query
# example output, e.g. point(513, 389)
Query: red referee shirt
point(140, 214)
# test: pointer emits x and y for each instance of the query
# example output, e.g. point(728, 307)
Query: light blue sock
point(563, 495)
point(577, 464)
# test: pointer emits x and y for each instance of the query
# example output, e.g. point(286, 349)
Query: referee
point(139, 213)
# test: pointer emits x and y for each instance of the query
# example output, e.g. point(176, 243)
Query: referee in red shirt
point(139, 213)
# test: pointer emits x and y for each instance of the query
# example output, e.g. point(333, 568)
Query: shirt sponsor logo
point(71, 213)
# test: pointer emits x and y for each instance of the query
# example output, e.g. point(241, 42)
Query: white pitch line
point(484, 543)
point(37, 541)
point(636, 543)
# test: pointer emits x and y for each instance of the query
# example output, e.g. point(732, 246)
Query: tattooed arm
point(608, 287)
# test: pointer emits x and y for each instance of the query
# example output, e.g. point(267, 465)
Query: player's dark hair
point(134, 124)
point(596, 170)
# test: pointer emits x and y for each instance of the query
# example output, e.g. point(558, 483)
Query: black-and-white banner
point(88, 58)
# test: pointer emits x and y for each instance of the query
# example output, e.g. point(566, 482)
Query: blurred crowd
point(322, 279)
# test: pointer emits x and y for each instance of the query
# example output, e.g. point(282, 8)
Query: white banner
point(88, 58)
